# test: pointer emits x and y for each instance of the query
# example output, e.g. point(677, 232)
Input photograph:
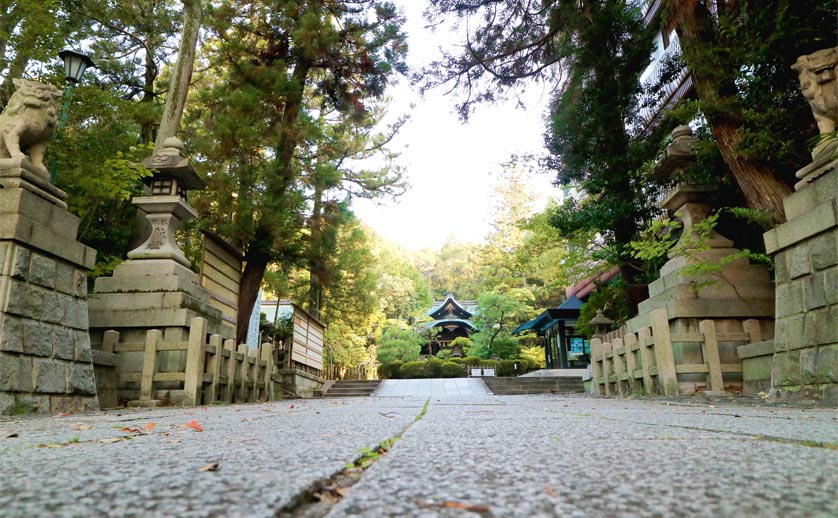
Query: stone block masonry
point(45, 357)
point(805, 250)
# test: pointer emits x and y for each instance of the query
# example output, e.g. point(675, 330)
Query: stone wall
point(45, 358)
point(805, 250)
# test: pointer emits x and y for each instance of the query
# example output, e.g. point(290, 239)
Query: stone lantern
point(166, 208)
point(601, 323)
point(688, 202)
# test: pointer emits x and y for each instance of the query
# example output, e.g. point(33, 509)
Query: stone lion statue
point(817, 73)
point(29, 121)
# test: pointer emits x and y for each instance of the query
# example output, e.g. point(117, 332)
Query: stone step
point(351, 388)
point(541, 385)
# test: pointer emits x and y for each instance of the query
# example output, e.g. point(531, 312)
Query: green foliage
point(412, 370)
point(472, 360)
point(535, 356)
point(390, 370)
point(613, 302)
point(398, 343)
point(464, 343)
point(497, 316)
point(433, 368)
point(660, 242)
point(444, 354)
point(453, 370)
point(506, 368)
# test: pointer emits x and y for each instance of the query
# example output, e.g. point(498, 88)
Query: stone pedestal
point(739, 291)
point(805, 251)
point(149, 294)
point(45, 355)
point(154, 288)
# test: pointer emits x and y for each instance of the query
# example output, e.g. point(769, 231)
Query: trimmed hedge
point(452, 370)
point(507, 367)
point(433, 368)
point(412, 370)
point(390, 370)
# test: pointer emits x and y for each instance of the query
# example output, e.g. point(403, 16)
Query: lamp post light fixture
point(75, 64)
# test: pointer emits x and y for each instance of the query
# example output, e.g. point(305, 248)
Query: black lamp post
point(75, 65)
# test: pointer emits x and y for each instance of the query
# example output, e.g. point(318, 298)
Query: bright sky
point(447, 163)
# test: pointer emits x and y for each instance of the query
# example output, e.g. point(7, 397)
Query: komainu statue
point(817, 73)
point(29, 121)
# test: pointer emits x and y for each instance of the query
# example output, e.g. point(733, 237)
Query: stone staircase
point(534, 385)
point(349, 388)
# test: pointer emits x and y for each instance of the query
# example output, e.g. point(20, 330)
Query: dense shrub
point(523, 365)
point(472, 360)
point(390, 370)
point(458, 361)
point(507, 367)
point(453, 370)
point(444, 354)
point(433, 368)
point(412, 370)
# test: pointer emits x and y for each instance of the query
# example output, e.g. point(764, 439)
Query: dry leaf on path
point(127, 429)
point(550, 491)
point(210, 467)
point(149, 426)
point(13, 436)
point(450, 504)
point(82, 427)
point(195, 425)
point(111, 440)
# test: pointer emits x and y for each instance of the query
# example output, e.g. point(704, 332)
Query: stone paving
point(500, 456)
point(439, 387)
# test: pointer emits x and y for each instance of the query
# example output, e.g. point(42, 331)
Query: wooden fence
point(216, 370)
point(645, 362)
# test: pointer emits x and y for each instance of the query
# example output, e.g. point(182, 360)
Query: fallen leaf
point(52, 445)
point(450, 504)
point(550, 491)
point(174, 441)
point(13, 436)
point(83, 427)
point(65, 414)
point(149, 426)
point(111, 440)
point(195, 425)
point(210, 467)
point(292, 406)
point(127, 429)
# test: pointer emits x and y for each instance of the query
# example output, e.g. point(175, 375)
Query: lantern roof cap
point(171, 162)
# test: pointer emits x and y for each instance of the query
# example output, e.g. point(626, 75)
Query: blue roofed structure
point(453, 320)
point(562, 347)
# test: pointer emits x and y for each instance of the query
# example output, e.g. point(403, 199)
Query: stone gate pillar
point(45, 361)
point(805, 251)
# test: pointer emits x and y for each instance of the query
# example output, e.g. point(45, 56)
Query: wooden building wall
point(221, 267)
point(307, 347)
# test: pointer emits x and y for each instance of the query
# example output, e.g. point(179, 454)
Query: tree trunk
point(256, 264)
point(315, 260)
point(714, 84)
point(182, 74)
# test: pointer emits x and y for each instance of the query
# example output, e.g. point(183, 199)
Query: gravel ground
point(500, 456)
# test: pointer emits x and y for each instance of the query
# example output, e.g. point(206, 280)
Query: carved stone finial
point(29, 121)
point(173, 142)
